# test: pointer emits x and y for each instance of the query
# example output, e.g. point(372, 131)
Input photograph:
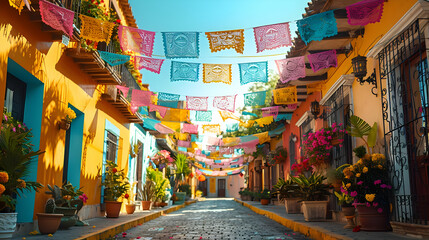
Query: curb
point(122, 227)
point(313, 232)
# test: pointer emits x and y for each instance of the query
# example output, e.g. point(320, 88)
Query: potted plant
point(287, 191)
point(345, 201)
point(68, 200)
point(65, 122)
point(335, 176)
point(130, 207)
point(181, 171)
point(368, 179)
point(314, 194)
point(16, 154)
point(116, 185)
point(148, 192)
point(161, 184)
point(245, 194)
point(49, 222)
point(265, 197)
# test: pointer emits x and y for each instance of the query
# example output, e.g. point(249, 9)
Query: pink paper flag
point(163, 129)
point(151, 64)
point(225, 103)
point(270, 111)
point(162, 110)
point(226, 150)
point(365, 12)
point(211, 148)
point(212, 140)
point(186, 144)
point(136, 40)
point(248, 147)
point(197, 103)
point(189, 128)
point(134, 108)
point(141, 98)
point(123, 89)
point(272, 36)
point(292, 106)
point(291, 68)
point(57, 17)
point(323, 60)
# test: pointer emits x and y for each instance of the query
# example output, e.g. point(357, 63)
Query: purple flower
point(368, 204)
point(5, 117)
point(389, 187)
point(359, 183)
point(380, 210)
point(383, 185)
point(374, 204)
point(19, 125)
point(377, 182)
point(14, 129)
point(353, 194)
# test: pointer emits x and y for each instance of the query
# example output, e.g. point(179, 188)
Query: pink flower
point(14, 129)
point(353, 194)
point(380, 210)
point(359, 183)
point(377, 182)
point(5, 117)
point(389, 187)
point(368, 204)
point(374, 204)
point(383, 185)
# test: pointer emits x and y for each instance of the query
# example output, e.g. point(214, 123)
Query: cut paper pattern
point(232, 127)
point(262, 137)
point(226, 39)
point(228, 115)
point(181, 44)
point(291, 68)
point(123, 89)
point(211, 128)
point(317, 26)
point(136, 40)
point(186, 144)
point(168, 96)
point(264, 121)
point(272, 36)
point(284, 116)
point(323, 60)
point(18, 4)
point(365, 12)
point(151, 64)
point(249, 147)
point(226, 150)
point(189, 128)
point(214, 73)
point(163, 129)
point(175, 126)
point(197, 138)
point(182, 149)
point(203, 116)
point(211, 148)
point(285, 96)
point(270, 111)
point(249, 114)
point(226, 103)
point(197, 103)
point(184, 71)
point(141, 98)
point(255, 98)
point(212, 140)
point(177, 115)
point(247, 124)
point(95, 29)
point(150, 123)
point(57, 17)
point(292, 106)
point(169, 104)
point(181, 136)
point(160, 109)
point(113, 59)
point(253, 72)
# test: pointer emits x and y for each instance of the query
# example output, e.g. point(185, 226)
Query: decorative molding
point(418, 10)
point(344, 80)
point(302, 119)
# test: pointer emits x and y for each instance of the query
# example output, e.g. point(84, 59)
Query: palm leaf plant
point(182, 170)
point(312, 188)
point(286, 189)
point(360, 128)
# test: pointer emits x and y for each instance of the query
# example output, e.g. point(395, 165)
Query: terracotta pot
point(113, 208)
point(130, 208)
point(245, 198)
point(156, 204)
point(146, 205)
point(371, 220)
point(163, 204)
point(314, 210)
point(48, 222)
point(292, 205)
point(265, 201)
point(349, 213)
point(8, 223)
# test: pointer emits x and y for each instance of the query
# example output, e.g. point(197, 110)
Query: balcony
point(113, 96)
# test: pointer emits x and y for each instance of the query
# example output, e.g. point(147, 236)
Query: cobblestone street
point(212, 219)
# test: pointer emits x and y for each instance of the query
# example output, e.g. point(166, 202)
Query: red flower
point(114, 170)
point(126, 196)
point(118, 21)
point(356, 229)
point(89, 11)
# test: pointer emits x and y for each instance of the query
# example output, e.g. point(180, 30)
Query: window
point(15, 97)
point(306, 127)
point(112, 146)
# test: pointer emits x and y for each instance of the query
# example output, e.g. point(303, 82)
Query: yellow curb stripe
point(313, 232)
point(122, 227)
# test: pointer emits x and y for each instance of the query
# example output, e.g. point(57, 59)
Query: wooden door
point(221, 188)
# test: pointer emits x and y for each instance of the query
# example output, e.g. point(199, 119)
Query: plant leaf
point(358, 127)
point(372, 136)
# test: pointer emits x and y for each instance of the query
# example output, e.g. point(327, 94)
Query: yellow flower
point(4, 177)
point(367, 157)
point(370, 197)
point(360, 161)
point(379, 166)
point(2, 189)
point(365, 169)
point(348, 185)
point(357, 174)
point(21, 183)
point(50, 235)
point(70, 114)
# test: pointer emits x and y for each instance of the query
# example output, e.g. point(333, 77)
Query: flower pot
point(64, 124)
point(163, 204)
point(113, 208)
point(48, 222)
point(314, 210)
point(130, 208)
point(265, 201)
point(146, 205)
point(292, 205)
point(180, 198)
point(69, 218)
point(349, 213)
point(8, 225)
point(245, 198)
point(371, 220)
point(156, 204)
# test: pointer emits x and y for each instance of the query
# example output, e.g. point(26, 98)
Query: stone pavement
point(316, 230)
point(211, 219)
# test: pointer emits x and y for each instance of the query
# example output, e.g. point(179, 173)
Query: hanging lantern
point(201, 178)
point(359, 67)
point(315, 108)
point(241, 174)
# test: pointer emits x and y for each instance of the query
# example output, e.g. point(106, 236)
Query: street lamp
point(359, 70)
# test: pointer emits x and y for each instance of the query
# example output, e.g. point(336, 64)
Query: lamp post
point(359, 70)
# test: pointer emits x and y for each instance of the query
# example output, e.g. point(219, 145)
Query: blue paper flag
point(183, 71)
point(284, 116)
point(247, 138)
point(255, 98)
point(168, 96)
point(150, 123)
point(232, 127)
point(181, 44)
point(203, 116)
point(170, 104)
point(195, 138)
point(253, 72)
point(182, 149)
point(250, 114)
point(143, 111)
point(317, 27)
point(113, 59)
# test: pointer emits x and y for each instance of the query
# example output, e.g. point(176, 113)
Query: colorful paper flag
point(232, 127)
point(211, 128)
point(323, 60)
point(203, 116)
point(317, 26)
point(113, 59)
point(365, 12)
point(272, 36)
point(226, 103)
point(226, 39)
point(184, 71)
point(168, 96)
point(95, 29)
point(217, 73)
point(270, 111)
point(291, 68)
point(283, 96)
point(151, 64)
point(255, 98)
point(57, 17)
point(197, 103)
point(141, 98)
point(160, 109)
point(253, 72)
point(123, 89)
point(189, 128)
point(181, 44)
point(228, 115)
point(136, 40)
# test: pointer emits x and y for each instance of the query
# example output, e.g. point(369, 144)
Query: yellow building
point(40, 77)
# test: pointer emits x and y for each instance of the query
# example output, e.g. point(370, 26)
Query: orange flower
point(4, 177)
point(2, 189)
point(21, 183)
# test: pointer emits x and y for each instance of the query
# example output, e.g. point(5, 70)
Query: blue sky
point(206, 16)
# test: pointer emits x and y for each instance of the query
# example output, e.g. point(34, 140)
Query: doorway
point(221, 183)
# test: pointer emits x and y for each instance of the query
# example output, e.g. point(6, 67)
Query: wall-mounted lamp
point(359, 70)
point(294, 138)
point(315, 110)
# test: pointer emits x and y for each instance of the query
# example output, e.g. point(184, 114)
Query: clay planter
point(146, 205)
point(130, 208)
point(69, 218)
point(314, 210)
point(245, 198)
point(292, 205)
point(371, 220)
point(113, 209)
point(64, 124)
point(265, 201)
point(48, 222)
point(163, 204)
point(349, 213)
point(8, 225)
